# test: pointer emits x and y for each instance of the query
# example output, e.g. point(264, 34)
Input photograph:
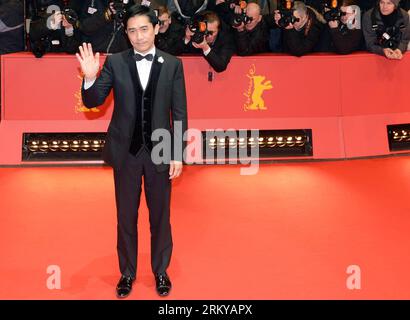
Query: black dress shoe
point(124, 287)
point(163, 284)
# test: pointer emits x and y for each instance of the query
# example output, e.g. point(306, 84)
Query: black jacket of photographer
point(41, 34)
point(11, 26)
point(343, 40)
point(400, 19)
point(221, 52)
point(257, 39)
point(305, 40)
point(170, 40)
point(102, 30)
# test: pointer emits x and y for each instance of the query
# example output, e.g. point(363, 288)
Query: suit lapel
point(154, 75)
point(133, 68)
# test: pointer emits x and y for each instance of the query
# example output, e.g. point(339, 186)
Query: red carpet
point(289, 232)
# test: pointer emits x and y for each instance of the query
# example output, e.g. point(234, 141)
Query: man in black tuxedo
point(150, 100)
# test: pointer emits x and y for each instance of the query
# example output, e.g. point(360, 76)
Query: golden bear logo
point(257, 85)
point(79, 107)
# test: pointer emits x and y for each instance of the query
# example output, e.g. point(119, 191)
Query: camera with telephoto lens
point(332, 12)
point(71, 16)
point(239, 18)
point(120, 8)
point(389, 37)
point(286, 14)
point(287, 18)
point(199, 27)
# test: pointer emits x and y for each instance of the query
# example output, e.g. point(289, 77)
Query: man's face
point(141, 33)
point(213, 28)
point(166, 21)
point(349, 14)
point(253, 13)
point(386, 7)
point(302, 20)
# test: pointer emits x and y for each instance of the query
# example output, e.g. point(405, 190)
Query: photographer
point(344, 27)
point(303, 33)
point(252, 35)
point(205, 35)
point(170, 34)
point(11, 26)
point(102, 25)
point(386, 29)
point(53, 27)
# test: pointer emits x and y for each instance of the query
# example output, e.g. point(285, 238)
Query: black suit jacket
point(168, 106)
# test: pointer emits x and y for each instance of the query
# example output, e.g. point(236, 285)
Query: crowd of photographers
point(215, 29)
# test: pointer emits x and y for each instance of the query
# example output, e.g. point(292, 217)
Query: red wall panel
point(347, 101)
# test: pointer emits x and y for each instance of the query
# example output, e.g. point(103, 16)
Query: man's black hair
point(140, 10)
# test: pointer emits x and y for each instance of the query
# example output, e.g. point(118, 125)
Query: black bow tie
point(139, 57)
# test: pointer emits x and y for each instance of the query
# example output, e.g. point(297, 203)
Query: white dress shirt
point(143, 67)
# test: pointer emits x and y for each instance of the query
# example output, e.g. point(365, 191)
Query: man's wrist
point(206, 50)
point(69, 31)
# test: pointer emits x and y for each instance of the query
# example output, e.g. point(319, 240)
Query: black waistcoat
point(144, 103)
